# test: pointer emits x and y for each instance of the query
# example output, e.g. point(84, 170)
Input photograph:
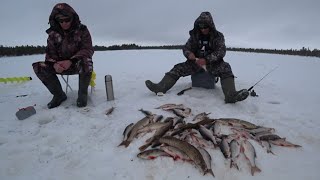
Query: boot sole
point(242, 95)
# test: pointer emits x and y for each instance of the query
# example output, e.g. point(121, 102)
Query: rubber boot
point(163, 86)
point(230, 93)
point(84, 81)
point(54, 86)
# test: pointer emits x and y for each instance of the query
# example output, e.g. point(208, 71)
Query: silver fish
point(235, 153)
point(225, 147)
point(207, 134)
point(216, 128)
point(250, 154)
point(126, 131)
point(207, 158)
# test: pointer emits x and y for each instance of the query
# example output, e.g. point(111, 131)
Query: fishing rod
point(262, 78)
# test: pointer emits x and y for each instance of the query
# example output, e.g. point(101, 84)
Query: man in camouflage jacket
point(69, 51)
point(204, 49)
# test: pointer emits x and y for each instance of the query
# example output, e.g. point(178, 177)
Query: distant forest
point(30, 50)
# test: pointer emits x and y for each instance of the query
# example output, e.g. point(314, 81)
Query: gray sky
point(245, 23)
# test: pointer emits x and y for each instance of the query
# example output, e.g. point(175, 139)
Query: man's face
point(204, 28)
point(205, 31)
point(65, 22)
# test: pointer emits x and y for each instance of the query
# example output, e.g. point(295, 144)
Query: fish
point(127, 131)
point(207, 159)
point(207, 135)
point(192, 152)
point(134, 131)
point(285, 143)
point(152, 154)
point(250, 154)
point(147, 113)
point(268, 137)
point(267, 145)
point(159, 133)
point(237, 123)
point(183, 128)
point(216, 128)
point(109, 111)
point(175, 153)
point(151, 127)
point(225, 147)
point(201, 116)
point(168, 107)
point(199, 141)
point(261, 129)
point(157, 118)
point(235, 153)
point(182, 112)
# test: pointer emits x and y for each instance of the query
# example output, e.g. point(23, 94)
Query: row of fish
point(188, 141)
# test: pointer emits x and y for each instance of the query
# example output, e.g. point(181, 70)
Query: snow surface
point(68, 143)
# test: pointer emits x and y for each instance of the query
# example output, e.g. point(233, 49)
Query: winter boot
point(230, 93)
point(84, 81)
point(54, 86)
point(163, 86)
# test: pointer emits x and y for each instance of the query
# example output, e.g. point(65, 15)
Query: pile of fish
point(175, 138)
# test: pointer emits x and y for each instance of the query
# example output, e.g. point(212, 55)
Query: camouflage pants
point(222, 70)
point(46, 72)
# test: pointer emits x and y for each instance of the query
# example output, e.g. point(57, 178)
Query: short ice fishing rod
point(262, 78)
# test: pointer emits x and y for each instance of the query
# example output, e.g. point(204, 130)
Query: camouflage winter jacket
point(74, 45)
point(215, 49)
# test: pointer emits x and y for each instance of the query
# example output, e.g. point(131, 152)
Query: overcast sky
point(278, 24)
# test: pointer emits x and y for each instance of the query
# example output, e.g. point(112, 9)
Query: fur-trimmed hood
point(66, 10)
point(205, 17)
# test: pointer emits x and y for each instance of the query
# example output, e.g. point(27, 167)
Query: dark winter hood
point(205, 17)
point(65, 10)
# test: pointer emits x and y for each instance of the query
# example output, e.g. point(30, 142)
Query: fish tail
point(125, 143)
point(255, 169)
point(210, 172)
point(234, 164)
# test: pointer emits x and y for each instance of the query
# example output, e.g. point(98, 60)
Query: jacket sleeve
point(51, 52)
point(189, 47)
point(219, 51)
point(85, 53)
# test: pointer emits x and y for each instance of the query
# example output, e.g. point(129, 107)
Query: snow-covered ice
point(72, 143)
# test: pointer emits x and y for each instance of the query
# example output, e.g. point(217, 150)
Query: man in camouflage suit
point(69, 51)
point(204, 49)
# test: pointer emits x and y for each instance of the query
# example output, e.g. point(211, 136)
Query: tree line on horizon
point(31, 50)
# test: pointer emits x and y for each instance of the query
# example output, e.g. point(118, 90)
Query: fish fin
point(255, 169)
point(125, 143)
